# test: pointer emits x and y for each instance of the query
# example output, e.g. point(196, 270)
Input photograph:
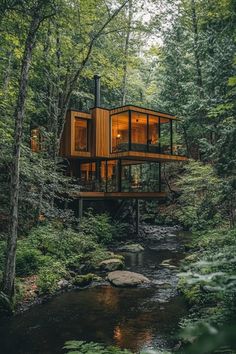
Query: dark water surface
point(130, 318)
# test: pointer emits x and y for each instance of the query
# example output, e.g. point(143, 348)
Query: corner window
point(120, 132)
point(81, 134)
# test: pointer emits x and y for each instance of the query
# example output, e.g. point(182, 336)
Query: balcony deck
point(147, 156)
point(119, 195)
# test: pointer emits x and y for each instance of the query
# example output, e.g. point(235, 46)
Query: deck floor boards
point(120, 195)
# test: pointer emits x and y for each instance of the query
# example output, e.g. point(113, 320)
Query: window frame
point(76, 118)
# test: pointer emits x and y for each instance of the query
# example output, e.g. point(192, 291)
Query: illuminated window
point(81, 134)
point(138, 131)
point(35, 140)
point(153, 133)
point(120, 132)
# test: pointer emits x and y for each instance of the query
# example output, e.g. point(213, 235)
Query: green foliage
point(52, 250)
point(210, 339)
point(71, 247)
point(28, 259)
point(99, 227)
point(208, 282)
point(84, 280)
point(49, 276)
point(199, 205)
point(81, 347)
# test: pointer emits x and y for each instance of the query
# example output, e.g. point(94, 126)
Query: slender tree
point(37, 13)
point(126, 51)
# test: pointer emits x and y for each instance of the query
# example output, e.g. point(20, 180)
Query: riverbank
point(134, 318)
point(151, 237)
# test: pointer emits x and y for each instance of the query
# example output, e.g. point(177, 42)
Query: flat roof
point(130, 107)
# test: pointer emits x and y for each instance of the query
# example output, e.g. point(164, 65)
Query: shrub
point(82, 347)
point(70, 247)
point(208, 281)
point(84, 280)
point(199, 205)
point(97, 226)
point(49, 276)
point(28, 259)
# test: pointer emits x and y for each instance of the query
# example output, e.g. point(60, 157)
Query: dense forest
point(170, 56)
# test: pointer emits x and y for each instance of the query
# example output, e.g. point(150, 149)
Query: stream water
point(134, 318)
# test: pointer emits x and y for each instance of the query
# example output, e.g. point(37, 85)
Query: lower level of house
point(122, 176)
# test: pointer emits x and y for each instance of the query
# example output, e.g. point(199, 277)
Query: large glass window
point(112, 176)
point(165, 138)
point(81, 134)
point(120, 132)
point(153, 133)
point(147, 132)
point(139, 176)
point(88, 171)
point(138, 131)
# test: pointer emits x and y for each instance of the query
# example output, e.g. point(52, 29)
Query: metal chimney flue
point(97, 91)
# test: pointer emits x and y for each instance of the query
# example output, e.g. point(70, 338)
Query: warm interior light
point(118, 135)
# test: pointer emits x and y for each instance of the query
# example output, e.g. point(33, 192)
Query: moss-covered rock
point(111, 264)
point(84, 280)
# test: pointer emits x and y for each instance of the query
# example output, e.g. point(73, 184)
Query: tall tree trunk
point(126, 52)
point(196, 50)
point(9, 272)
point(7, 74)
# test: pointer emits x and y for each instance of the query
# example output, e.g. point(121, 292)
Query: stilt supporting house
point(80, 208)
point(137, 216)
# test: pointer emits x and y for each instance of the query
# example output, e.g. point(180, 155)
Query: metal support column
point(80, 207)
point(160, 181)
point(106, 174)
point(119, 165)
point(137, 217)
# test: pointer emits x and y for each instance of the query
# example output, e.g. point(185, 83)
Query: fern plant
point(82, 347)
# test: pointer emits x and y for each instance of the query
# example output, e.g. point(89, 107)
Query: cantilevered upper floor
point(125, 132)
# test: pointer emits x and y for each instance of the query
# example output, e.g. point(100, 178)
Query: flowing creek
point(133, 318)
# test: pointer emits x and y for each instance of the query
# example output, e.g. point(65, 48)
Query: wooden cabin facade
point(117, 153)
point(110, 151)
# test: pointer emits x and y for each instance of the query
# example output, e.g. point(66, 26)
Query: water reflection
point(131, 334)
point(130, 318)
point(135, 259)
point(108, 298)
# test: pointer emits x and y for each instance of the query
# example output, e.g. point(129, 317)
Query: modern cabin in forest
point(110, 151)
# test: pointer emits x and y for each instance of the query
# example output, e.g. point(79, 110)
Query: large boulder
point(133, 247)
point(112, 264)
point(126, 278)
